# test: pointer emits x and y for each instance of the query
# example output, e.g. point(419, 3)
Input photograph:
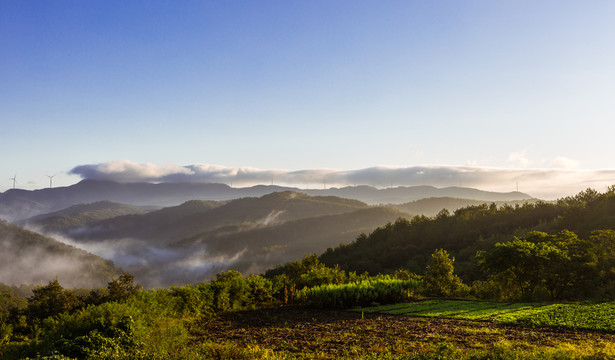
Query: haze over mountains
point(177, 233)
point(18, 204)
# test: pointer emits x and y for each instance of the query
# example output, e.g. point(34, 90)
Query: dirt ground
point(331, 333)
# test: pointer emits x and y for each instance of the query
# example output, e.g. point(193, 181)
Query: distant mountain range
point(16, 204)
point(177, 233)
point(193, 241)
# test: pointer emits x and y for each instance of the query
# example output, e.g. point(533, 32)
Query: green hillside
point(409, 243)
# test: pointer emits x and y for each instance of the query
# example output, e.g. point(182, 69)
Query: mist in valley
point(154, 263)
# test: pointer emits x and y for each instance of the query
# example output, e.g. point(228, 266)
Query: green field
point(582, 316)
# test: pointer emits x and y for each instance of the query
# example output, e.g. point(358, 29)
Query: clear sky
point(293, 85)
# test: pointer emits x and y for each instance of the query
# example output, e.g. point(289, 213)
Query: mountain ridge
point(18, 204)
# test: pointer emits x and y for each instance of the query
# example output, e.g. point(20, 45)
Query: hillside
point(254, 251)
point(433, 205)
point(102, 224)
point(175, 223)
point(409, 243)
point(81, 215)
point(28, 257)
point(403, 194)
point(193, 241)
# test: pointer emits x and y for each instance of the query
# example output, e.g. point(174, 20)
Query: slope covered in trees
point(433, 205)
point(409, 243)
point(78, 216)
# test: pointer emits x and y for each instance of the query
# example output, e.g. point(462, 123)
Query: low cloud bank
point(154, 265)
point(38, 265)
point(541, 183)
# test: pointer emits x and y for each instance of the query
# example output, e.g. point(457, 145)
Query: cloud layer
point(543, 183)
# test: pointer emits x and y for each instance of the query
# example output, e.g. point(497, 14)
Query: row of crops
point(363, 293)
point(587, 316)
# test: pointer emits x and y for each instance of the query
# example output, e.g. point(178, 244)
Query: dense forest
point(579, 226)
point(541, 251)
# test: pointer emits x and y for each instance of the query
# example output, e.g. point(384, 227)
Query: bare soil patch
point(332, 333)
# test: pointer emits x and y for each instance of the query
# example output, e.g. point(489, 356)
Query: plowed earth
point(332, 333)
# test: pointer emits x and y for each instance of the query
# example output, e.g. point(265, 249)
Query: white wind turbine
point(51, 180)
point(14, 178)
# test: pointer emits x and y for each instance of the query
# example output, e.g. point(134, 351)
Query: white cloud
point(519, 159)
point(128, 171)
point(561, 162)
point(547, 183)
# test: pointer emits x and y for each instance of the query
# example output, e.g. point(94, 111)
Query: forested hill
point(409, 243)
point(28, 257)
point(431, 206)
point(81, 215)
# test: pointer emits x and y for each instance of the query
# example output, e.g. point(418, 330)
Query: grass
point(582, 316)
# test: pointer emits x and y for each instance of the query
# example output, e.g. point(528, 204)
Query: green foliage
point(408, 243)
point(380, 290)
point(230, 291)
point(191, 300)
point(298, 274)
point(9, 299)
point(323, 275)
point(260, 290)
point(562, 264)
point(294, 270)
point(440, 279)
point(50, 300)
point(122, 288)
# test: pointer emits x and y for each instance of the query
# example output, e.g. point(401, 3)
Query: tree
point(440, 279)
point(50, 300)
point(122, 288)
point(558, 263)
point(230, 291)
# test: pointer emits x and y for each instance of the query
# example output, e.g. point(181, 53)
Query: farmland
point(582, 316)
point(303, 333)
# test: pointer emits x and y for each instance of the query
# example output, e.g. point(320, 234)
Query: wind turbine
point(51, 180)
point(14, 178)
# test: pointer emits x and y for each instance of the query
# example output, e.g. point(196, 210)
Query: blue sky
point(294, 85)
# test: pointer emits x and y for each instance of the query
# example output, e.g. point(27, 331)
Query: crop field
point(303, 333)
point(384, 290)
point(583, 316)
